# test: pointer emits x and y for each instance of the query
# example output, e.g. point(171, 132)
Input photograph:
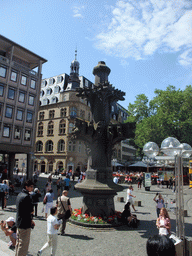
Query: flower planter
point(92, 225)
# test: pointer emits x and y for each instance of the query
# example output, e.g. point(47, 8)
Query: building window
point(1, 108)
point(11, 94)
point(43, 83)
point(42, 93)
point(62, 126)
point(112, 108)
point(71, 146)
point(19, 115)
point(51, 81)
point(54, 99)
point(1, 90)
point(31, 100)
point(56, 89)
point(33, 84)
point(49, 146)
point(59, 79)
point(45, 101)
point(13, 76)
point(9, 112)
point(114, 117)
point(39, 146)
point(73, 112)
point(17, 134)
point(51, 114)
point(6, 131)
point(27, 136)
point(63, 112)
point(40, 129)
point(49, 91)
point(29, 117)
point(71, 126)
point(41, 115)
point(50, 128)
point(61, 146)
point(3, 72)
point(23, 80)
point(21, 97)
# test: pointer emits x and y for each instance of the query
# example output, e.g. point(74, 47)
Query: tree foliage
point(169, 113)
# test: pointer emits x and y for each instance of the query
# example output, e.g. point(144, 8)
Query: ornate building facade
point(59, 107)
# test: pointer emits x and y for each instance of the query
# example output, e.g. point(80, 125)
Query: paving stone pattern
point(121, 241)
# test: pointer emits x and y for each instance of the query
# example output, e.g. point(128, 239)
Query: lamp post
point(172, 148)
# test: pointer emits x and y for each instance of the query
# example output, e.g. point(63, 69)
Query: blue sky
point(147, 44)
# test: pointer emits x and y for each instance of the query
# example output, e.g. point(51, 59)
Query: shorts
point(131, 201)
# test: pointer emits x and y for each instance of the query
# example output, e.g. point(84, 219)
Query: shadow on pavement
point(81, 237)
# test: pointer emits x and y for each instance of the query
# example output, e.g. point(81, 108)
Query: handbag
point(67, 214)
point(45, 200)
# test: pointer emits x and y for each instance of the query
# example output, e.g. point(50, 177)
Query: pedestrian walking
point(160, 203)
point(35, 199)
point(130, 196)
point(3, 190)
point(64, 209)
point(67, 183)
point(52, 230)
point(49, 201)
point(24, 219)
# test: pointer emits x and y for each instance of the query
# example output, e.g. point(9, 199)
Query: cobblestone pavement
point(120, 241)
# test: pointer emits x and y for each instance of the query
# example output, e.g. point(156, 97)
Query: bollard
point(120, 199)
point(137, 203)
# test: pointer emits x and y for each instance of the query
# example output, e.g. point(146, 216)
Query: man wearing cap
point(10, 230)
point(24, 219)
point(63, 204)
point(35, 199)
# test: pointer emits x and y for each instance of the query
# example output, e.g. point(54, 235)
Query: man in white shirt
point(130, 197)
point(52, 230)
point(115, 179)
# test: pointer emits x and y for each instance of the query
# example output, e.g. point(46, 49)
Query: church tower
point(74, 81)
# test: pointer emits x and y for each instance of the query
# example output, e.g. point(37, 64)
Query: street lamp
point(172, 148)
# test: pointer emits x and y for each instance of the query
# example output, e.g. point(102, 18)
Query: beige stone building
point(20, 85)
point(59, 107)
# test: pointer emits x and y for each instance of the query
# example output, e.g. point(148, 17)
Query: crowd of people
point(56, 215)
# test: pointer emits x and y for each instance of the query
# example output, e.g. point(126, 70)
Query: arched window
point(71, 126)
point(50, 128)
point(49, 146)
point(80, 147)
point(40, 129)
point(51, 114)
point(39, 146)
point(61, 146)
point(73, 112)
point(60, 165)
point(50, 166)
point(71, 146)
point(63, 112)
point(62, 126)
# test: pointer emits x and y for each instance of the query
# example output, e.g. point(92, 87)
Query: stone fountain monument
point(98, 189)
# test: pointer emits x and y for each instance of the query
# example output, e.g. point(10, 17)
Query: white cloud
point(140, 28)
point(77, 11)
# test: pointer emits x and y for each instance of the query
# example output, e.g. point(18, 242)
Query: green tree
point(168, 114)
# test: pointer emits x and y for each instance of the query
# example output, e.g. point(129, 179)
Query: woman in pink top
point(163, 222)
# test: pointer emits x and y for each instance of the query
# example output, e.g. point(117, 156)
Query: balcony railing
point(23, 68)
point(4, 60)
